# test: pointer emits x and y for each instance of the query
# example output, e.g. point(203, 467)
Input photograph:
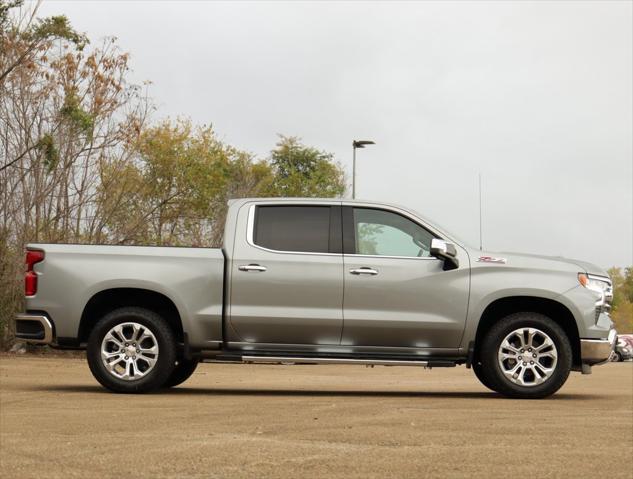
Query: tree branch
point(22, 155)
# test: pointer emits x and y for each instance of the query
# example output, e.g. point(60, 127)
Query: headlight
point(600, 285)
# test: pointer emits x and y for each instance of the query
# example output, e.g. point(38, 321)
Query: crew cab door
point(396, 293)
point(287, 275)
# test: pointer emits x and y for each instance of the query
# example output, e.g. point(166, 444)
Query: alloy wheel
point(129, 351)
point(527, 357)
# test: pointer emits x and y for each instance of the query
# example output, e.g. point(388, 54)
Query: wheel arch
point(108, 300)
point(553, 309)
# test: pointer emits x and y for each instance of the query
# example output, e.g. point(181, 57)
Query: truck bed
point(73, 275)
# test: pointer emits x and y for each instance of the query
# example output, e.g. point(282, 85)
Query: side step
point(369, 362)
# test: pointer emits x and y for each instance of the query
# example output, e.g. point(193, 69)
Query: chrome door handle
point(252, 267)
point(364, 270)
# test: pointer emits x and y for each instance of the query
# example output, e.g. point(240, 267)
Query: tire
point(113, 341)
point(618, 357)
point(183, 371)
point(544, 351)
point(482, 375)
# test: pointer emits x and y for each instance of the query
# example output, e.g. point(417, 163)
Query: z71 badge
point(491, 259)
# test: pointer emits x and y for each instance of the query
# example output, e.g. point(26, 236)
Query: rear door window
point(293, 228)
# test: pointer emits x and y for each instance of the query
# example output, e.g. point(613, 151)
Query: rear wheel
point(526, 355)
point(131, 350)
point(183, 371)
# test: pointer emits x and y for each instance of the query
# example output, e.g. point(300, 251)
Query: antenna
point(481, 247)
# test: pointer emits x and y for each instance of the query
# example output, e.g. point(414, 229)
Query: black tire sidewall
point(183, 371)
point(481, 374)
point(166, 346)
point(500, 330)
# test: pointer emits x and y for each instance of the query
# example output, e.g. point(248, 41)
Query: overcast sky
point(535, 96)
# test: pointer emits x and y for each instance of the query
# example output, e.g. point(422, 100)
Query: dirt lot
point(310, 421)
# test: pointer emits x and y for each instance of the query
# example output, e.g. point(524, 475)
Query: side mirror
point(445, 251)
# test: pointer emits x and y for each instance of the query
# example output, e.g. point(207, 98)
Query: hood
point(581, 266)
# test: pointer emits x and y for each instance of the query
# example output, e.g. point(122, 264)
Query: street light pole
point(354, 171)
point(357, 144)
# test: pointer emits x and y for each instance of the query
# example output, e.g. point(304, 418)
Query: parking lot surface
point(258, 421)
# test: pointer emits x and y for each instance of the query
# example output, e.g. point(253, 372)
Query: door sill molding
point(263, 358)
point(308, 360)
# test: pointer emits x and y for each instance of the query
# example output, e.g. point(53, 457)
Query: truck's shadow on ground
point(186, 391)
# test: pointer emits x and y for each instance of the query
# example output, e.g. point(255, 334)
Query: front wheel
point(131, 350)
point(183, 371)
point(483, 375)
point(526, 355)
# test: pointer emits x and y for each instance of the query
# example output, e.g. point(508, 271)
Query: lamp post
point(357, 144)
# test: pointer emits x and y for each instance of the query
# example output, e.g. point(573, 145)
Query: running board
point(369, 362)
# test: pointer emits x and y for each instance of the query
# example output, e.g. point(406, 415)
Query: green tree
point(627, 284)
point(623, 318)
point(175, 191)
point(617, 279)
point(301, 170)
point(183, 173)
point(622, 306)
point(23, 35)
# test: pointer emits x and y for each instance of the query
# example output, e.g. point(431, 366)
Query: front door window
point(384, 233)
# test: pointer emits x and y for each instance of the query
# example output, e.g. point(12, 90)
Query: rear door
point(287, 275)
point(396, 293)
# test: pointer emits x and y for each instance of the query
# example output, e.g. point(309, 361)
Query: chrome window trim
point(250, 225)
point(418, 258)
point(400, 211)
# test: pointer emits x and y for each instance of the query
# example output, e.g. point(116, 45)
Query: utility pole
point(357, 144)
point(481, 247)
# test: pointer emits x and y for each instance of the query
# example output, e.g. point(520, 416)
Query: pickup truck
point(320, 281)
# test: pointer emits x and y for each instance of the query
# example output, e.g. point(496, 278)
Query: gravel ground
point(259, 421)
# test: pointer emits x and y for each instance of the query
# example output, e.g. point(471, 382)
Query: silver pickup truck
point(320, 282)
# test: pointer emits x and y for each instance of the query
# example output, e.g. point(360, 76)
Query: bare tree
point(67, 114)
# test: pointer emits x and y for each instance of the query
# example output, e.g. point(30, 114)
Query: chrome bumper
point(33, 328)
point(598, 351)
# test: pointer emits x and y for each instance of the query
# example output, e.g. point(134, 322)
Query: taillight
point(30, 277)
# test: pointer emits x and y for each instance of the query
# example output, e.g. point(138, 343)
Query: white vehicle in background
point(623, 348)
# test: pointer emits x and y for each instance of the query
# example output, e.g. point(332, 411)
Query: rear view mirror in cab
point(445, 251)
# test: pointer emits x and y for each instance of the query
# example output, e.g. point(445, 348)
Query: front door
point(287, 276)
point(396, 293)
